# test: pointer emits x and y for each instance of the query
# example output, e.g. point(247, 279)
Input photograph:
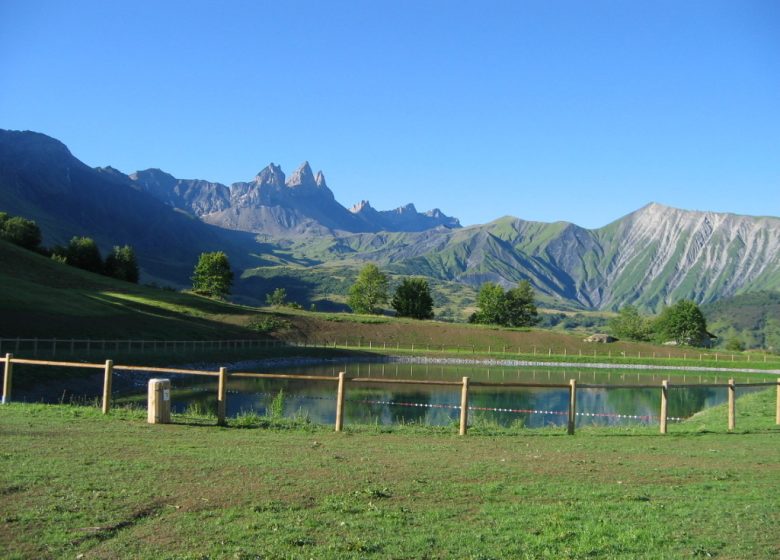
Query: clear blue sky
point(547, 110)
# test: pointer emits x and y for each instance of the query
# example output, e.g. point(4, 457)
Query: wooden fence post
point(222, 396)
point(107, 378)
point(464, 407)
point(8, 371)
point(777, 406)
point(664, 405)
point(572, 406)
point(732, 411)
point(340, 401)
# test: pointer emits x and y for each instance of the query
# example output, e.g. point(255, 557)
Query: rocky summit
point(278, 205)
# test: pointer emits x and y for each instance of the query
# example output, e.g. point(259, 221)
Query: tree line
point(81, 252)
point(412, 298)
point(370, 292)
point(681, 323)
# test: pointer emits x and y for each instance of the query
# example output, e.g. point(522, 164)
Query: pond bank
point(306, 361)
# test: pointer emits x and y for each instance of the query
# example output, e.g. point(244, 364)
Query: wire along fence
point(342, 381)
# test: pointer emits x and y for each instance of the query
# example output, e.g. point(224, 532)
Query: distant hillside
point(751, 319)
point(44, 298)
point(41, 180)
point(283, 206)
point(304, 240)
point(652, 257)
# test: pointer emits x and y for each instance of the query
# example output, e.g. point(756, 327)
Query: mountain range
point(291, 232)
point(274, 204)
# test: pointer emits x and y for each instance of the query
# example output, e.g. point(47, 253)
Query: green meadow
point(76, 484)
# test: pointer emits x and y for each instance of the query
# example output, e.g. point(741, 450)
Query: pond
point(389, 403)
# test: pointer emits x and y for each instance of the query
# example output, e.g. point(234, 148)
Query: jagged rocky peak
point(303, 177)
point(320, 180)
point(406, 209)
point(361, 206)
point(272, 175)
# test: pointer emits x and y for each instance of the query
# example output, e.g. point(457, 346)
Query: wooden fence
point(342, 381)
point(52, 347)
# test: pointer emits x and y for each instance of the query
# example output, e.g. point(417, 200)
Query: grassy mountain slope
point(41, 180)
point(751, 319)
point(42, 298)
point(652, 257)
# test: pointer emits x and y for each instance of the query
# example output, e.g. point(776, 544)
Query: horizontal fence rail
point(342, 380)
point(71, 346)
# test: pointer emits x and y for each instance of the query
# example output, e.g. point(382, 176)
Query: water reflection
point(439, 405)
point(391, 403)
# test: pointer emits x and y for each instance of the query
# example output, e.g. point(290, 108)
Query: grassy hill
point(43, 298)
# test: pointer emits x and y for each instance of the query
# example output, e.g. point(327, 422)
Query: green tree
point(277, 298)
point(735, 345)
point(631, 325)
point(122, 264)
point(683, 323)
point(83, 252)
point(491, 304)
point(513, 308)
point(413, 299)
point(212, 275)
point(369, 290)
point(20, 231)
point(519, 307)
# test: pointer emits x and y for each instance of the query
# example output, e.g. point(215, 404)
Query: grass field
point(74, 484)
point(45, 299)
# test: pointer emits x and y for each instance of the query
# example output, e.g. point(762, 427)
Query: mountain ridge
point(650, 257)
point(283, 206)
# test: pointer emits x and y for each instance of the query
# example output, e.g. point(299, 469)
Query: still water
point(439, 405)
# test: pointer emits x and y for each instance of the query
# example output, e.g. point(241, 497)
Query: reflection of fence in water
point(342, 381)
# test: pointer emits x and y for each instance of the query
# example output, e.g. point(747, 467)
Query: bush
point(83, 252)
point(630, 325)
point(277, 298)
point(413, 299)
point(513, 308)
point(122, 264)
point(20, 231)
point(268, 324)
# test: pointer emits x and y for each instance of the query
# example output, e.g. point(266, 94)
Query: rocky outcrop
point(600, 338)
point(403, 218)
point(282, 206)
point(195, 196)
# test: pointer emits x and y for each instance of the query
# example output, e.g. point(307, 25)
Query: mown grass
point(73, 482)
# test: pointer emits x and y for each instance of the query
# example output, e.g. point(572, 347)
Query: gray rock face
point(282, 206)
point(195, 196)
point(403, 218)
